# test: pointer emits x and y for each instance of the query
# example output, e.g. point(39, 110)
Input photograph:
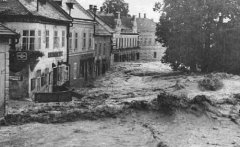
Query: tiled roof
point(127, 22)
point(29, 7)
point(109, 20)
point(6, 31)
point(145, 24)
point(12, 7)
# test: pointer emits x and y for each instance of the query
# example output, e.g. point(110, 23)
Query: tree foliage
point(114, 6)
point(200, 33)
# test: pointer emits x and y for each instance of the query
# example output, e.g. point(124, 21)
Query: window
point(47, 38)
point(130, 42)
point(75, 71)
point(43, 80)
point(155, 54)
point(150, 41)
point(63, 38)
point(60, 72)
point(28, 40)
point(95, 49)
point(39, 39)
point(121, 43)
point(100, 49)
point(125, 42)
point(33, 84)
point(55, 40)
point(90, 41)
point(104, 48)
point(84, 40)
point(38, 80)
point(76, 41)
point(117, 42)
point(70, 41)
point(145, 43)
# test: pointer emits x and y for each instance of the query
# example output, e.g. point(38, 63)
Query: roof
point(12, 7)
point(108, 19)
point(4, 31)
point(127, 22)
point(145, 24)
point(29, 8)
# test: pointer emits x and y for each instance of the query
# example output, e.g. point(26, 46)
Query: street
point(128, 92)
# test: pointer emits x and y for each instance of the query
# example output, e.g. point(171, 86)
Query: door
point(2, 84)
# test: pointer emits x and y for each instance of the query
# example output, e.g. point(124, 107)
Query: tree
point(114, 6)
point(201, 33)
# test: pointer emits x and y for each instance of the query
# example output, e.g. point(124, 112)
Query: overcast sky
point(135, 7)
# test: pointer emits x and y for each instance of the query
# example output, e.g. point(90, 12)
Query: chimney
point(90, 7)
point(139, 15)
point(145, 15)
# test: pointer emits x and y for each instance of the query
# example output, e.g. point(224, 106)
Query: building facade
point(125, 39)
point(7, 42)
point(103, 43)
point(40, 58)
point(81, 44)
point(150, 49)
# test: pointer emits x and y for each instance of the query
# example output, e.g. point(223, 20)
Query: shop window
point(33, 84)
point(75, 71)
point(38, 80)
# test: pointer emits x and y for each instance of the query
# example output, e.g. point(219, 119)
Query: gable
point(78, 11)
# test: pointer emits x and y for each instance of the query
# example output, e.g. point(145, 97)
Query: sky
point(135, 7)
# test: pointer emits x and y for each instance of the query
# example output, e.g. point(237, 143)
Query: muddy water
point(138, 129)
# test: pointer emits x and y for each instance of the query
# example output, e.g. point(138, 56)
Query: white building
point(81, 43)
point(43, 27)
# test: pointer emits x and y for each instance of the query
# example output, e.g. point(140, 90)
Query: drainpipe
point(69, 66)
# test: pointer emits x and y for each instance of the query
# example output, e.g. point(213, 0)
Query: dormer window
point(42, 1)
point(59, 2)
point(70, 4)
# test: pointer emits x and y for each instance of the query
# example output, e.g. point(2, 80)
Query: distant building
point(43, 27)
point(81, 43)
point(150, 48)
point(8, 38)
point(103, 44)
point(125, 37)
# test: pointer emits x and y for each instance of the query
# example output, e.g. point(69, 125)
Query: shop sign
point(15, 78)
point(55, 54)
point(22, 56)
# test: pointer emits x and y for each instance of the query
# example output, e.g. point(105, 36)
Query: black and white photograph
point(119, 73)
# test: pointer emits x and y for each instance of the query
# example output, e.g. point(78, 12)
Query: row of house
point(56, 43)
